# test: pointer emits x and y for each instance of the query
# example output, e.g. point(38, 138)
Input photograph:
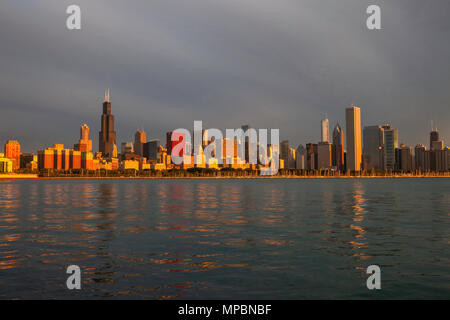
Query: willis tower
point(107, 135)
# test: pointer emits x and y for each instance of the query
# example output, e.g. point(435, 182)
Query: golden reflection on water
point(10, 257)
point(274, 199)
point(131, 231)
point(206, 198)
point(204, 209)
point(359, 211)
point(10, 198)
point(83, 195)
point(345, 213)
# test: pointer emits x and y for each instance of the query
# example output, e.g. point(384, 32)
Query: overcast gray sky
point(269, 63)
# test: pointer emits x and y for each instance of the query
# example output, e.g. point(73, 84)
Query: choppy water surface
point(230, 239)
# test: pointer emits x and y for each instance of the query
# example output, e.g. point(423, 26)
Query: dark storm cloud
point(272, 64)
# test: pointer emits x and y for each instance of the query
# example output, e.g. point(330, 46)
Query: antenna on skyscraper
point(107, 95)
point(433, 126)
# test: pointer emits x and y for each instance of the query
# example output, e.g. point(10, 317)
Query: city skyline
point(181, 63)
point(224, 155)
point(108, 121)
point(365, 149)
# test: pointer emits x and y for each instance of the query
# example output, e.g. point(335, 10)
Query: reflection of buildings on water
point(106, 232)
point(359, 211)
point(345, 212)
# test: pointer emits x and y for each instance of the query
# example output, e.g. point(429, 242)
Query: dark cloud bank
point(272, 64)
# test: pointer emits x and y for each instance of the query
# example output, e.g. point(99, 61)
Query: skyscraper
point(84, 132)
point(421, 158)
point(404, 158)
point(85, 144)
point(325, 133)
point(390, 145)
point(311, 156)
point(139, 139)
point(249, 154)
point(284, 152)
point(324, 159)
point(12, 151)
point(338, 148)
point(434, 135)
point(300, 158)
point(107, 135)
point(373, 147)
point(353, 124)
point(151, 150)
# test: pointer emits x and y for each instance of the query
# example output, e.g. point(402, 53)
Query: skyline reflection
point(168, 239)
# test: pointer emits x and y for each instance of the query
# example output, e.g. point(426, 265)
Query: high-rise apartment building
point(107, 135)
point(353, 125)
point(12, 151)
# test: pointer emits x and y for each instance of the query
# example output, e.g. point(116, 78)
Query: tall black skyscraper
point(434, 135)
point(107, 136)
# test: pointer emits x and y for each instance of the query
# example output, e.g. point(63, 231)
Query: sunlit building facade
point(85, 144)
point(353, 126)
point(325, 130)
point(140, 138)
point(6, 164)
point(12, 151)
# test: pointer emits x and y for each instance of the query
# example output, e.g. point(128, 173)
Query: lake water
point(225, 239)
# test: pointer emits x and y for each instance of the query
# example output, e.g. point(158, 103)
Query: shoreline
point(28, 177)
